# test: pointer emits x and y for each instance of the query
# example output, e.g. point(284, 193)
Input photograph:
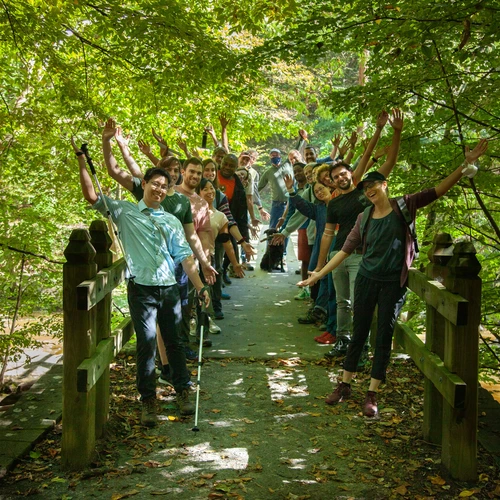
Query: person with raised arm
point(154, 243)
point(387, 241)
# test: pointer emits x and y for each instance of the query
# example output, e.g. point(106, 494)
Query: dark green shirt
point(385, 248)
point(176, 204)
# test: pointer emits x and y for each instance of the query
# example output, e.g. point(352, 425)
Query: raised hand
point(346, 145)
point(353, 139)
point(381, 152)
point(479, 150)
point(183, 145)
point(288, 180)
point(397, 119)
point(144, 147)
point(76, 149)
point(109, 129)
point(382, 119)
point(336, 140)
point(303, 134)
point(210, 130)
point(120, 138)
point(224, 120)
point(159, 139)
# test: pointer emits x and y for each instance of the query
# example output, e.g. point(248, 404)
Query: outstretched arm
point(197, 247)
point(392, 155)
point(465, 169)
point(88, 189)
point(363, 163)
point(334, 262)
point(211, 132)
point(224, 122)
point(190, 268)
point(115, 172)
point(122, 142)
point(145, 149)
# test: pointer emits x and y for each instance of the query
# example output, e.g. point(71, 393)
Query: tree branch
point(25, 252)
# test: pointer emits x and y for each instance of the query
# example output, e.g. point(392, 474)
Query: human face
point(310, 155)
point(174, 169)
point(342, 178)
point(244, 161)
point(322, 192)
point(294, 157)
point(275, 158)
point(375, 190)
point(308, 173)
point(243, 175)
point(298, 173)
point(228, 167)
point(155, 190)
point(325, 179)
point(217, 157)
point(208, 193)
point(210, 171)
point(191, 175)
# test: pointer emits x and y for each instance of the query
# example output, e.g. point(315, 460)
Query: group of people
point(189, 234)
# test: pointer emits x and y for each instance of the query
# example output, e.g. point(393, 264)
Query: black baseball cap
point(371, 177)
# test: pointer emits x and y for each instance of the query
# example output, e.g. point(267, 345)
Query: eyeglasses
point(163, 188)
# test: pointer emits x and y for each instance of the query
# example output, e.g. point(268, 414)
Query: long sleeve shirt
point(274, 177)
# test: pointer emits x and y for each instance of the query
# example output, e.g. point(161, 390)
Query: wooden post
point(439, 255)
point(101, 241)
point(459, 445)
point(78, 439)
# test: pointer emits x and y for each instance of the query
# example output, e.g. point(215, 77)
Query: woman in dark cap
point(385, 232)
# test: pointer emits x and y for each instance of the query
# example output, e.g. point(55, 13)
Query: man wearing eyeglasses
point(154, 244)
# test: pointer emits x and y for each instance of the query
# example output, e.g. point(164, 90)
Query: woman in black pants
point(388, 251)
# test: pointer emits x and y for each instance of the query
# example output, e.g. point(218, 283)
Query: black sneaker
point(190, 355)
point(339, 349)
point(313, 316)
point(148, 415)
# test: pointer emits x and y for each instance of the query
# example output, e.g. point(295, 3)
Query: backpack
point(406, 216)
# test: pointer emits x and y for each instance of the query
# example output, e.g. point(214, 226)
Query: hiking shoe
point(370, 407)
point(303, 294)
point(218, 315)
point(249, 267)
point(339, 349)
point(212, 327)
point(225, 296)
point(342, 392)
point(313, 316)
point(298, 271)
point(185, 407)
point(327, 339)
point(225, 278)
point(206, 342)
point(148, 415)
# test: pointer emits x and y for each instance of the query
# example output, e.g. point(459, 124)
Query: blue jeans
point(344, 277)
point(149, 305)
point(389, 296)
point(331, 325)
point(277, 210)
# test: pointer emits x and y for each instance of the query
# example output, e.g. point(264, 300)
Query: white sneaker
point(192, 327)
point(213, 327)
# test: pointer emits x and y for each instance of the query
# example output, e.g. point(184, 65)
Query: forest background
point(271, 67)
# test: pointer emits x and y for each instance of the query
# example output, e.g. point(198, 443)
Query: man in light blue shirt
point(154, 243)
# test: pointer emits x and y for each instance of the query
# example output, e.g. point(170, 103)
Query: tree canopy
point(272, 67)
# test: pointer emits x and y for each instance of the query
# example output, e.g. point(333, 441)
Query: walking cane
point(85, 151)
point(203, 317)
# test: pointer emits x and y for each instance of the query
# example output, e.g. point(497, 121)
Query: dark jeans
point(389, 296)
point(148, 306)
point(217, 286)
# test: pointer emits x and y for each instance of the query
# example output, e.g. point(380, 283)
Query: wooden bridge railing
point(451, 290)
point(89, 277)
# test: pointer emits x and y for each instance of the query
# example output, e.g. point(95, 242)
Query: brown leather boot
point(370, 408)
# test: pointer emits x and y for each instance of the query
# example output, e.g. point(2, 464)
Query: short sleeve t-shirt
point(344, 210)
point(199, 209)
point(385, 248)
point(217, 221)
point(176, 204)
point(226, 185)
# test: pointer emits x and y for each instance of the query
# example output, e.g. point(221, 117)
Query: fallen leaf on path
point(119, 496)
point(438, 480)
point(401, 490)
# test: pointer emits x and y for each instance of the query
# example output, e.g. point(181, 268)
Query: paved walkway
point(265, 431)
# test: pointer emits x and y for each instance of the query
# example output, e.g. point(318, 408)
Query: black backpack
point(406, 216)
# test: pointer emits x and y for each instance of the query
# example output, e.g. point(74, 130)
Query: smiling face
point(322, 193)
point(191, 175)
point(155, 190)
point(294, 156)
point(310, 155)
point(308, 172)
point(342, 178)
point(210, 171)
point(298, 173)
point(208, 193)
point(325, 179)
point(228, 166)
point(375, 190)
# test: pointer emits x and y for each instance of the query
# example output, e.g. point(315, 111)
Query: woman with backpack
point(388, 246)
